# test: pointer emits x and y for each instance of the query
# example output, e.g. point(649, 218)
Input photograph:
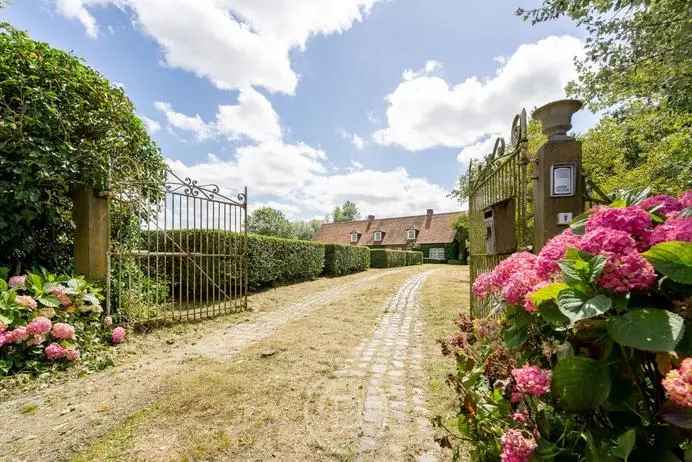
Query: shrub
point(414, 257)
point(454, 262)
point(386, 258)
point(591, 357)
point(344, 259)
point(49, 321)
point(270, 260)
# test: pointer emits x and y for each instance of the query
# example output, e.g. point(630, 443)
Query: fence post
point(92, 233)
point(558, 188)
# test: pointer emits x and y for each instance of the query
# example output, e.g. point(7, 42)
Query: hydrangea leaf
point(648, 329)
point(576, 305)
point(547, 293)
point(673, 259)
point(49, 300)
point(624, 444)
point(580, 383)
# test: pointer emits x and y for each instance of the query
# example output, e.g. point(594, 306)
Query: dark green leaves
point(580, 383)
point(624, 444)
point(516, 333)
point(672, 259)
point(647, 329)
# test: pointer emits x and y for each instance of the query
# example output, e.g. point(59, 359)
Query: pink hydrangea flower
point(675, 229)
point(516, 447)
point(54, 352)
point(61, 295)
point(632, 220)
point(71, 354)
point(483, 285)
point(39, 326)
point(17, 282)
point(678, 384)
point(516, 397)
point(63, 331)
point(495, 280)
point(628, 272)
point(118, 335)
point(666, 204)
point(521, 416)
point(26, 301)
point(607, 240)
point(532, 380)
point(520, 284)
point(18, 335)
point(553, 251)
point(686, 199)
point(4, 339)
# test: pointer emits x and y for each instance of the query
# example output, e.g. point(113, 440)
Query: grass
point(262, 404)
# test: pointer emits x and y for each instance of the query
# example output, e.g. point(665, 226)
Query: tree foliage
point(306, 230)
point(347, 212)
point(62, 125)
point(269, 222)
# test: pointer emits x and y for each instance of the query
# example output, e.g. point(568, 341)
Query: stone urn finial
point(556, 117)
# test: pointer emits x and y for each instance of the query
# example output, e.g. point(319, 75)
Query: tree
point(269, 222)
point(347, 212)
point(306, 230)
point(62, 125)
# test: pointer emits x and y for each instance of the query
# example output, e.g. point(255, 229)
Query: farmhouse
point(432, 233)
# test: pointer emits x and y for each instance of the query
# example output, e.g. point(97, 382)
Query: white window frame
point(377, 236)
point(411, 234)
point(354, 237)
point(436, 253)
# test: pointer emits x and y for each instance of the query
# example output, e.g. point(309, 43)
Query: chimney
point(429, 212)
point(371, 217)
point(428, 218)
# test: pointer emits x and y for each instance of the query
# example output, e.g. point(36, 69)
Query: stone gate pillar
point(92, 233)
point(559, 187)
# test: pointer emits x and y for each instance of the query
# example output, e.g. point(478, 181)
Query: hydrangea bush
point(590, 357)
point(48, 321)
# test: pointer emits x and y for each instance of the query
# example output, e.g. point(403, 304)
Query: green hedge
point(270, 260)
point(386, 258)
point(345, 259)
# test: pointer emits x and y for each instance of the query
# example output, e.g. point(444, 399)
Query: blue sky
point(312, 102)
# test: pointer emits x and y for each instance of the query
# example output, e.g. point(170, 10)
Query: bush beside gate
point(343, 259)
point(386, 258)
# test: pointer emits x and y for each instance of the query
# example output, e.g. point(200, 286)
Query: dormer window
point(354, 237)
point(411, 234)
point(377, 236)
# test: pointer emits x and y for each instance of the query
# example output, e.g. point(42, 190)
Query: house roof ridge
point(391, 218)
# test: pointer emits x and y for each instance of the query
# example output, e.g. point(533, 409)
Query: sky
point(310, 103)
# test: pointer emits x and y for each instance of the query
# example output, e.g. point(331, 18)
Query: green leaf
point(5, 320)
point(673, 259)
point(547, 293)
point(648, 329)
point(49, 300)
point(624, 444)
point(578, 225)
point(580, 383)
point(576, 306)
point(516, 333)
point(552, 314)
point(618, 204)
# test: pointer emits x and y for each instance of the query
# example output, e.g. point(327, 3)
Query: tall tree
point(347, 212)
point(306, 229)
point(269, 222)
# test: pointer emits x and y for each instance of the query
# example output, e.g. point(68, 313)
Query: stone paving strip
point(64, 417)
point(394, 422)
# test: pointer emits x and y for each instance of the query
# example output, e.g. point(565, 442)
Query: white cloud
point(151, 125)
point(233, 44)
point(426, 111)
point(430, 67)
point(252, 118)
point(478, 149)
point(353, 138)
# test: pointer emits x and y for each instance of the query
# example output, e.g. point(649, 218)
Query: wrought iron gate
point(499, 206)
point(183, 258)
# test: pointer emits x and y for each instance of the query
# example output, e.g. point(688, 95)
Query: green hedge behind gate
point(386, 258)
point(343, 259)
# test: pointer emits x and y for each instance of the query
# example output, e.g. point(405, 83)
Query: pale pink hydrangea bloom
point(36, 339)
point(633, 220)
point(26, 301)
point(63, 331)
point(54, 351)
point(17, 282)
point(553, 251)
point(118, 335)
point(39, 326)
point(18, 335)
point(628, 272)
point(675, 229)
point(686, 199)
point(666, 204)
point(678, 384)
point(532, 380)
point(516, 447)
point(61, 295)
point(71, 354)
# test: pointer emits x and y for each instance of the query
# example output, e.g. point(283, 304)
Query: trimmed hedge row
point(270, 259)
point(386, 258)
point(344, 259)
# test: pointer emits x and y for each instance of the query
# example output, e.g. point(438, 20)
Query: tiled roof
point(430, 229)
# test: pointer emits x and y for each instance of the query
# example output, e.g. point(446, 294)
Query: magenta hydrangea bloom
point(675, 229)
point(632, 220)
point(39, 326)
point(54, 352)
point(532, 380)
point(495, 280)
point(686, 199)
point(624, 273)
point(63, 331)
point(602, 240)
point(483, 285)
point(520, 284)
point(678, 384)
point(666, 204)
point(71, 354)
point(516, 447)
point(118, 335)
point(18, 335)
point(553, 251)
point(26, 301)
point(17, 282)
